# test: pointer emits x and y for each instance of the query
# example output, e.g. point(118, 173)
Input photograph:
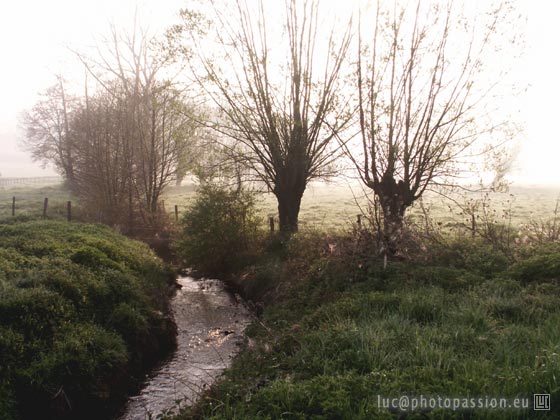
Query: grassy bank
point(338, 332)
point(82, 312)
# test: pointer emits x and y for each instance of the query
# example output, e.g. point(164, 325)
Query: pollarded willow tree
point(425, 98)
point(277, 91)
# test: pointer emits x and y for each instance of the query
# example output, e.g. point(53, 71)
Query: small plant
point(543, 231)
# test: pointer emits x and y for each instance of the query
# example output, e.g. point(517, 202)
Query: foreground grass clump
point(81, 312)
point(338, 331)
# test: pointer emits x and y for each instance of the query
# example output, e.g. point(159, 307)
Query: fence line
point(45, 207)
point(38, 180)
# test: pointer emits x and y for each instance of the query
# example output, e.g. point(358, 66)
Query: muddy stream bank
point(210, 324)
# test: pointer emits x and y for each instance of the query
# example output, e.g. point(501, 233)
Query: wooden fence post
point(271, 222)
point(14, 205)
point(176, 213)
point(69, 210)
point(359, 220)
point(45, 206)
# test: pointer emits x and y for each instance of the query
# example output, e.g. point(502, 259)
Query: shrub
point(473, 255)
point(83, 362)
point(37, 313)
point(219, 230)
point(92, 258)
point(538, 264)
point(128, 322)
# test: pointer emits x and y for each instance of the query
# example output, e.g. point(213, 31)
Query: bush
point(473, 255)
point(219, 230)
point(83, 360)
point(543, 263)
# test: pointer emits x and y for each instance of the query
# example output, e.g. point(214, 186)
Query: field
point(327, 207)
point(335, 206)
point(466, 317)
point(30, 200)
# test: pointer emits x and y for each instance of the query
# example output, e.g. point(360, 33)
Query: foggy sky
point(34, 36)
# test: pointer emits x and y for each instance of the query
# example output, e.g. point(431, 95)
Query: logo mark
point(541, 401)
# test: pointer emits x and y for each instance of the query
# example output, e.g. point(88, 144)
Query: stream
point(210, 324)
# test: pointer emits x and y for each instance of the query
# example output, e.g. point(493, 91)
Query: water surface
point(210, 323)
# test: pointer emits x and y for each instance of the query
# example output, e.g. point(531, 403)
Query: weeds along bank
point(82, 313)
point(461, 317)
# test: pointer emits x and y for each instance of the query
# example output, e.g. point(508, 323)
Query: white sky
point(34, 40)
point(34, 35)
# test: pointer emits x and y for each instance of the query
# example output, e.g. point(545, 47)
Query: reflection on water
point(210, 324)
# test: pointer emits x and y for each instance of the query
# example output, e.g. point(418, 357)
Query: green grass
point(30, 199)
point(80, 311)
point(338, 331)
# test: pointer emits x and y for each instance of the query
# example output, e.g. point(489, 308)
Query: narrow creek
point(210, 324)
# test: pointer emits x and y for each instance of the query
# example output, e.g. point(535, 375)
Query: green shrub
point(219, 230)
point(82, 357)
point(129, 322)
point(473, 255)
point(37, 313)
point(92, 258)
point(265, 278)
point(8, 402)
point(543, 264)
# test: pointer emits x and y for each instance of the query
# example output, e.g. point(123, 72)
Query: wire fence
point(22, 181)
point(60, 209)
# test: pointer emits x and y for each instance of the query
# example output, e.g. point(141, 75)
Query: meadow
point(464, 316)
point(334, 206)
point(327, 207)
point(30, 200)
point(339, 337)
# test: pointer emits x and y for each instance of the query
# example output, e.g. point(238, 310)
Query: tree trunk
point(393, 218)
point(288, 211)
point(394, 198)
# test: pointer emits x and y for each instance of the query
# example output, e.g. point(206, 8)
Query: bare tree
point(284, 116)
point(47, 133)
point(422, 96)
point(121, 145)
point(102, 162)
